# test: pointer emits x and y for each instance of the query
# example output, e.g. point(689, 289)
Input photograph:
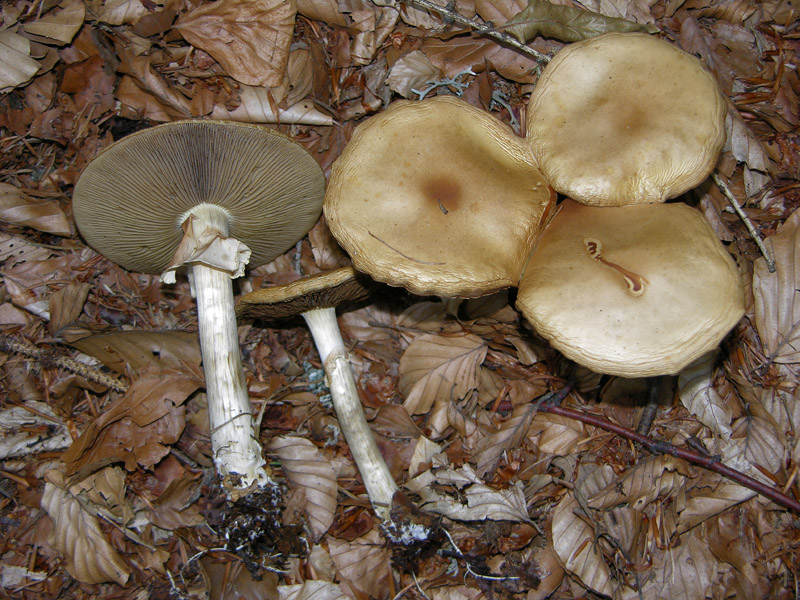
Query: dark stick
point(711, 463)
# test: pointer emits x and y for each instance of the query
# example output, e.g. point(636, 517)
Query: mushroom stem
point(377, 478)
point(235, 447)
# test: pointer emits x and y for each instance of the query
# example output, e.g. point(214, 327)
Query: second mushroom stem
point(377, 479)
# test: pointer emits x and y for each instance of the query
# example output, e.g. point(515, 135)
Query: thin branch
point(548, 404)
point(726, 191)
point(452, 16)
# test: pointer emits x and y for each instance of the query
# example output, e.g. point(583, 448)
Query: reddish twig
point(549, 404)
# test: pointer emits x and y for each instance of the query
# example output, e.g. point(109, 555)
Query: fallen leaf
point(575, 543)
point(66, 305)
point(61, 25)
point(410, 72)
point(249, 38)
point(239, 582)
point(16, 64)
point(77, 536)
point(312, 589)
point(439, 368)
point(699, 395)
point(362, 563)
point(493, 447)
point(650, 478)
point(309, 468)
point(17, 207)
point(255, 107)
point(686, 571)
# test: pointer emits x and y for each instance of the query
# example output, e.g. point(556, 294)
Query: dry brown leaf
point(456, 592)
point(548, 570)
point(60, 25)
point(574, 541)
point(139, 426)
point(703, 503)
point(684, 572)
point(249, 38)
point(14, 249)
point(239, 583)
point(66, 305)
point(439, 368)
point(373, 24)
point(17, 207)
point(77, 536)
point(412, 72)
point(559, 435)
point(492, 448)
point(699, 395)
point(649, 479)
point(28, 431)
point(458, 55)
point(16, 64)
point(424, 451)
point(362, 563)
point(255, 107)
point(322, 10)
point(777, 299)
point(175, 507)
point(312, 589)
point(748, 150)
point(118, 12)
point(308, 468)
point(28, 282)
point(138, 103)
point(104, 493)
point(134, 350)
point(765, 446)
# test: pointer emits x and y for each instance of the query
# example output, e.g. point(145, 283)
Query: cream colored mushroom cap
point(437, 196)
point(131, 200)
point(633, 291)
point(625, 118)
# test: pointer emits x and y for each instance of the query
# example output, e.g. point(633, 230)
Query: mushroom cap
point(131, 200)
point(634, 290)
point(327, 289)
point(439, 197)
point(625, 118)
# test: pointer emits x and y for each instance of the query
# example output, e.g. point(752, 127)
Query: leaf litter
point(106, 484)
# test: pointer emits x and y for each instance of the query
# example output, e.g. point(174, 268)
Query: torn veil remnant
point(625, 118)
point(315, 298)
point(208, 195)
point(634, 291)
point(439, 197)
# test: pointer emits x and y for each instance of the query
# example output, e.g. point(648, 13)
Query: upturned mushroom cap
point(633, 291)
point(321, 290)
point(131, 200)
point(437, 196)
point(625, 118)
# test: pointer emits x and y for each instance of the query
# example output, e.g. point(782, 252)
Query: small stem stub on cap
point(635, 282)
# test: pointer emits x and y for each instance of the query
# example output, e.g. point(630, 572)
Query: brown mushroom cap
point(321, 290)
point(131, 200)
point(437, 196)
point(632, 291)
point(625, 118)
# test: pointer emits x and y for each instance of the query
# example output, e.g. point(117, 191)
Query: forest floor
point(107, 487)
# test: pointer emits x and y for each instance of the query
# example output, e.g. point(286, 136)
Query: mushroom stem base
point(377, 479)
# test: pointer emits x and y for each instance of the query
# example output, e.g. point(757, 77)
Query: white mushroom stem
point(235, 446)
point(377, 478)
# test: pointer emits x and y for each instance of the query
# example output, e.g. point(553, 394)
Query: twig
point(451, 15)
point(726, 191)
point(53, 361)
point(711, 463)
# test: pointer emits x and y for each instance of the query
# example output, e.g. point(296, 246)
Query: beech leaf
point(88, 556)
point(19, 208)
point(308, 468)
point(61, 25)
point(16, 64)
point(249, 38)
point(363, 563)
point(650, 478)
point(491, 449)
point(312, 589)
point(574, 541)
point(777, 299)
point(565, 23)
point(700, 397)
point(686, 573)
point(439, 368)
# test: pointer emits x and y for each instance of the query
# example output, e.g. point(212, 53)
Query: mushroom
point(209, 195)
point(625, 118)
point(439, 197)
point(315, 298)
point(633, 291)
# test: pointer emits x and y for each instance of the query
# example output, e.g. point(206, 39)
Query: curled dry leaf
point(411, 72)
point(439, 368)
point(255, 107)
point(652, 477)
point(308, 468)
point(66, 305)
point(574, 541)
point(118, 12)
point(249, 38)
point(559, 435)
point(227, 580)
point(16, 64)
point(777, 295)
point(373, 25)
point(764, 445)
point(77, 536)
point(686, 572)
point(19, 208)
point(493, 447)
point(60, 25)
point(699, 395)
point(24, 432)
point(312, 589)
point(362, 563)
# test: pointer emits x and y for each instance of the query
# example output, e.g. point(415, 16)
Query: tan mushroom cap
point(625, 118)
point(130, 201)
point(321, 290)
point(633, 291)
point(437, 196)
